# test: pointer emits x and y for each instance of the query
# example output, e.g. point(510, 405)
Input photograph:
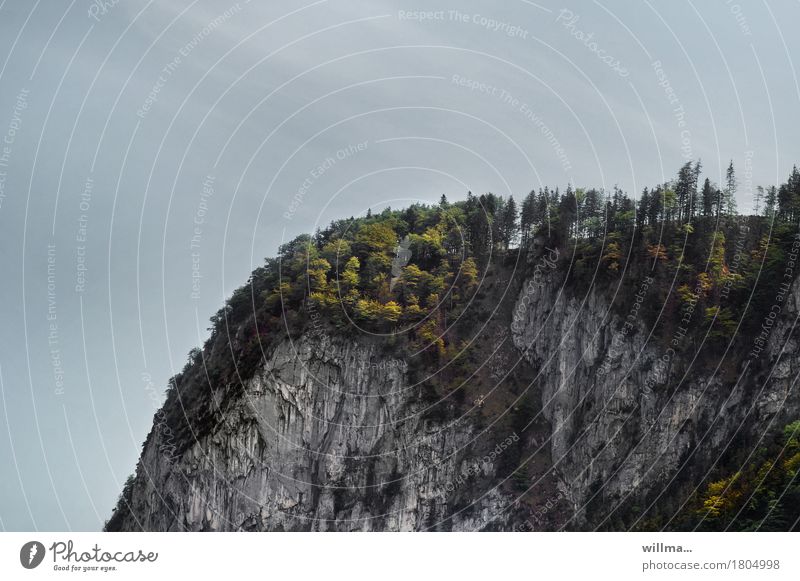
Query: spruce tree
point(730, 191)
point(528, 216)
point(709, 199)
point(508, 225)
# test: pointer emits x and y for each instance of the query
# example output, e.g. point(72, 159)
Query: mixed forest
point(414, 276)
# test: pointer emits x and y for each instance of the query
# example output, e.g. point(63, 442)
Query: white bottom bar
point(381, 556)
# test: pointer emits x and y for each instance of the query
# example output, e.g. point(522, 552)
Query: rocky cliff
point(332, 433)
point(640, 420)
point(328, 435)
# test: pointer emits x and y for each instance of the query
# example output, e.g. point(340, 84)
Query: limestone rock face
point(625, 413)
point(331, 434)
point(327, 436)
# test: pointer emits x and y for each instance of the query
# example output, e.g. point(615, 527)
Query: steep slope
point(638, 421)
point(326, 436)
point(452, 368)
point(330, 434)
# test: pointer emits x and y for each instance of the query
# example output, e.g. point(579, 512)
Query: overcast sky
point(153, 153)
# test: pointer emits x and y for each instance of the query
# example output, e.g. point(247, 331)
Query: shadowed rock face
point(626, 415)
point(329, 433)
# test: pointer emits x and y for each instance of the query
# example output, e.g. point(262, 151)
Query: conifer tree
point(709, 199)
point(730, 191)
point(508, 225)
point(528, 216)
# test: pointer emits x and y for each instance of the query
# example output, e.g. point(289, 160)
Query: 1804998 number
point(758, 564)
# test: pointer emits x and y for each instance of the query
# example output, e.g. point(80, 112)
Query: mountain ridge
point(571, 331)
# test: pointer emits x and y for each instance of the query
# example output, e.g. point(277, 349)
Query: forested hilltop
point(427, 278)
point(416, 269)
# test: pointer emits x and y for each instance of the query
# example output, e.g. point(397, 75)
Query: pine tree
point(641, 209)
point(785, 203)
point(528, 216)
point(567, 210)
point(507, 222)
point(770, 202)
point(686, 190)
point(592, 215)
point(759, 195)
point(793, 194)
point(698, 168)
point(656, 208)
point(543, 208)
point(478, 228)
point(682, 190)
point(623, 218)
point(709, 199)
point(730, 191)
point(669, 203)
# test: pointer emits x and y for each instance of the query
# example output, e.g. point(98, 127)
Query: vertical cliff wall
point(328, 435)
point(331, 433)
point(635, 414)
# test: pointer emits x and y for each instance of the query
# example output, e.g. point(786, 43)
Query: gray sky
point(130, 129)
